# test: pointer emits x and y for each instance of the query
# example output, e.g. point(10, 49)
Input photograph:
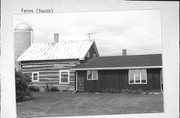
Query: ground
point(68, 104)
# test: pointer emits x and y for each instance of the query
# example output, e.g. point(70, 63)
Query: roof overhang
point(48, 60)
point(117, 68)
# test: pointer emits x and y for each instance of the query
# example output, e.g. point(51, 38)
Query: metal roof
point(76, 49)
point(116, 62)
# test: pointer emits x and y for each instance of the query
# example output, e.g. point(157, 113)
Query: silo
point(23, 37)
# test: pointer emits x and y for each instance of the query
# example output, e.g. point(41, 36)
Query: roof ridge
point(64, 41)
point(130, 55)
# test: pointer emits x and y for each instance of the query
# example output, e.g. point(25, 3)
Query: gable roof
point(122, 62)
point(76, 49)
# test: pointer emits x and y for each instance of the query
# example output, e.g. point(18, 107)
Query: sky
point(137, 31)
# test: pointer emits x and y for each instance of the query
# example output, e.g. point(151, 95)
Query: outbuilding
point(50, 63)
point(131, 72)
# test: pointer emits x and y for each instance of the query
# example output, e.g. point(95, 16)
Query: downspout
point(76, 83)
point(161, 79)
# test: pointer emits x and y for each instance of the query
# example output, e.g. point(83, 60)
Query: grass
point(67, 104)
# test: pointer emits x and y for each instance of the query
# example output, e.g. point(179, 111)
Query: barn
point(130, 72)
point(50, 63)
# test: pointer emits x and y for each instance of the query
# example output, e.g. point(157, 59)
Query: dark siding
point(112, 79)
point(154, 78)
point(107, 79)
point(118, 79)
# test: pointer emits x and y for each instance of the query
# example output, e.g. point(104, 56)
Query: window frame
point(32, 78)
point(92, 75)
point(135, 77)
point(88, 54)
point(60, 82)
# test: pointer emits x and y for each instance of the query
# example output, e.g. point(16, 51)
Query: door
point(80, 83)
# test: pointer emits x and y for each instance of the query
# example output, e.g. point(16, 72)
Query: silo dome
point(23, 26)
point(23, 38)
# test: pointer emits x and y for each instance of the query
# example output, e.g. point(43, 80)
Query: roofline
point(74, 59)
point(95, 48)
point(80, 58)
point(116, 68)
point(107, 56)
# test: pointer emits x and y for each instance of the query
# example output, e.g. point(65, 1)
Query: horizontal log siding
point(118, 79)
point(49, 71)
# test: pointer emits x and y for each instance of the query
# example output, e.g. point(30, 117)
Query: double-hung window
point(138, 76)
point(92, 75)
point(64, 77)
point(35, 77)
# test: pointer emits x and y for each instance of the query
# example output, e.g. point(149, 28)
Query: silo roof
point(23, 26)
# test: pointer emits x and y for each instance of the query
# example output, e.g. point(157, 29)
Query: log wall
point(49, 72)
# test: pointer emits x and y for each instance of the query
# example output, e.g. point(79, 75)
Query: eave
point(117, 68)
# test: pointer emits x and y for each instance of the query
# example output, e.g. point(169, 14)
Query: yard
point(68, 104)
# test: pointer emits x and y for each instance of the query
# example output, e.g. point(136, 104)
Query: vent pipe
point(56, 37)
point(124, 52)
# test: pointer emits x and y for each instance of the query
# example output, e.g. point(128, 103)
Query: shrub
point(54, 89)
point(139, 91)
point(22, 76)
point(47, 87)
point(129, 91)
point(21, 87)
point(34, 88)
point(20, 96)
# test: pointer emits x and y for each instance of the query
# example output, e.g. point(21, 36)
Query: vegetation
point(54, 89)
point(51, 104)
point(51, 88)
point(128, 91)
point(22, 90)
point(34, 88)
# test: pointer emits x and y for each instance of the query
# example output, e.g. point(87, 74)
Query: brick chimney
point(124, 52)
point(56, 37)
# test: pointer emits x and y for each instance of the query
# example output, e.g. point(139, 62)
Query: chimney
point(56, 37)
point(124, 52)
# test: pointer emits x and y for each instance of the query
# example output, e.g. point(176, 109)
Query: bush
point(34, 88)
point(51, 88)
point(21, 87)
point(139, 91)
point(47, 87)
point(54, 89)
point(20, 96)
point(24, 77)
point(129, 91)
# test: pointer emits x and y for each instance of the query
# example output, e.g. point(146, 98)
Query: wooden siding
point(49, 71)
point(91, 52)
point(118, 79)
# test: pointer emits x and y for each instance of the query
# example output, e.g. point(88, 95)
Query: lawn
point(68, 104)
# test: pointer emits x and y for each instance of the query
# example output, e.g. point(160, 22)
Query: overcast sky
point(137, 31)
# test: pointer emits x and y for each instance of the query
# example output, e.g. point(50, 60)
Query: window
point(88, 54)
point(64, 77)
point(131, 76)
point(138, 76)
point(92, 75)
point(143, 76)
point(35, 77)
